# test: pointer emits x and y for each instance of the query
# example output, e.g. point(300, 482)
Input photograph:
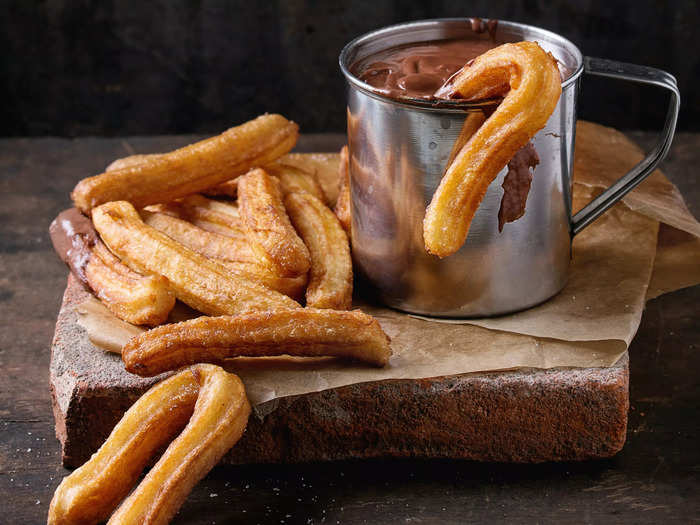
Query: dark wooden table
point(655, 479)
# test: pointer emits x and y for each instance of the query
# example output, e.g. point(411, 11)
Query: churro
point(197, 281)
point(293, 179)
point(134, 298)
point(233, 253)
point(323, 166)
point(529, 80)
point(208, 214)
point(267, 225)
point(303, 332)
point(204, 400)
point(330, 280)
point(168, 176)
point(342, 205)
point(209, 244)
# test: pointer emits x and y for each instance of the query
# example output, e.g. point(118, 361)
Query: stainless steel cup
point(399, 151)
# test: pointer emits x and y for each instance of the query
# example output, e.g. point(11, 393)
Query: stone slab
point(523, 416)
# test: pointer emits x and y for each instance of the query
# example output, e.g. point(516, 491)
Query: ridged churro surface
point(164, 177)
point(529, 80)
point(304, 332)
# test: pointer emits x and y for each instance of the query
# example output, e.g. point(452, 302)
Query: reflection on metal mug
point(399, 151)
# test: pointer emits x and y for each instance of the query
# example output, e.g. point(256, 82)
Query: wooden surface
point(654, 479)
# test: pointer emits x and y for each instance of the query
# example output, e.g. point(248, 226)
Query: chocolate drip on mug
point(516, 185)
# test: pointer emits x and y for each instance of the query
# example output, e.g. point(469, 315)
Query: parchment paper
point(604, 154)
point(589, 324)
point(420, 350)
point(677, 263)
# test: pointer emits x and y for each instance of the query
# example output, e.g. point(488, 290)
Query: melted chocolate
point(516, 184)
point(418, 70)
point(73, 237)
point(481, 26)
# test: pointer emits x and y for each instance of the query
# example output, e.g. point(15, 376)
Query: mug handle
point(629, 181)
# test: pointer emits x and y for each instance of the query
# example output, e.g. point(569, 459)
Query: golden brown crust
point(323, 166)
point(132, 297)
point(215, 404)
point(201, 283)
point(131, 160)
point(330, 281)
point(303, 332)
point(529, 79)
point(342, 205)
point(208, 214)
point(267, 225)
point(235, 254)
point(293, 287)
point(194, 168)
point(206, 243)
point(293, 180)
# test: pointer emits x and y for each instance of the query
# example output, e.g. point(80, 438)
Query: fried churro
point(235, 254)
point(529, 80)
point(197, 281)
point(207, 243)
point(330, 281)
point(293, 179)
point(267, 225)
point(134, 298)
point(168, 176)
point(208, 214)
point(342, 205)
point(305, 332)
point(210, 410)
point(323, 166)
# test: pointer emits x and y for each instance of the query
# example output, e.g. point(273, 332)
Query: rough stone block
point(516, 416)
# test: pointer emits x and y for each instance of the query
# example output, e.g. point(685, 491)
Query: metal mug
point(398, 154)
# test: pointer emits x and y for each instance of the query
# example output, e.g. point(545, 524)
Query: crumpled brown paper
point(604, 154)
point(616, 267)
point(677, 263)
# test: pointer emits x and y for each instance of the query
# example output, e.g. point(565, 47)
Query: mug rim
point(447, 105)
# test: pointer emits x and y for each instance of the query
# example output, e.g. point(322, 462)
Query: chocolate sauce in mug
point(418, 70)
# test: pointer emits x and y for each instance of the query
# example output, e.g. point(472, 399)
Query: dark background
point(114, 67)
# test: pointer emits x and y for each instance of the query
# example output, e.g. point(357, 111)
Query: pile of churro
point(240, 231)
